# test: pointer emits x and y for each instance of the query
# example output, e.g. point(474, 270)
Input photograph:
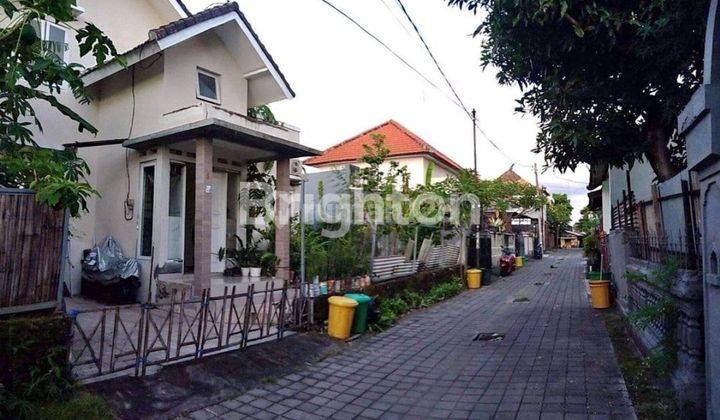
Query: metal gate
point(132, 338)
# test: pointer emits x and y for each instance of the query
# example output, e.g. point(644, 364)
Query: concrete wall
point(206, 51)
point(618, 245)
point(685, 329)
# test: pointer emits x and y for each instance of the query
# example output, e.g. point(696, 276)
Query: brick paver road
point(555, 362)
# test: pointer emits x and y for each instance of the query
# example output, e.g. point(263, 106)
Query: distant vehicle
point(507, 261)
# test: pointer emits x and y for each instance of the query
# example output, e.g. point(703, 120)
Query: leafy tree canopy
point(605, 78)
point(32, 72)
point(559, 212)
point(589, 221)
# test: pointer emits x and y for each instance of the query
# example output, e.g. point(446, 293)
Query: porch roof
point(223, 130)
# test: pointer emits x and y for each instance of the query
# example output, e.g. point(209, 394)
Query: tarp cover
point(107, 265)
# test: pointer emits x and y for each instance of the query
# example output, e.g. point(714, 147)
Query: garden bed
point(418, 282)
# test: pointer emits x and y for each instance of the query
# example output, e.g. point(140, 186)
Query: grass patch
point(391, 308)
point(82, 405)
point(645, 378)
point(78, 405)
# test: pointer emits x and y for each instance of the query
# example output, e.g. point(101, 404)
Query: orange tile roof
point(398, 139)
point(511, 176)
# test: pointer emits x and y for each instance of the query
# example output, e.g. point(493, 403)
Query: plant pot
point(597, 275)
point(245, 271)
point(600, 294)
point(255, 271)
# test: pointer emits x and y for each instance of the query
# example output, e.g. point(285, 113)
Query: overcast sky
point(347, 83)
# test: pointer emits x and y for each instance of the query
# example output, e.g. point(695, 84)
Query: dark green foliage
point(82, 405)
point(262, 112)
point(646, 315)
point(591, 249)
point(31, 73)
point(663, 358)
point(33, 362)
point(331, 258)
point(589, 221)
point(559, 213)
point(606, 78)
point(647, 379)
point(393, 307)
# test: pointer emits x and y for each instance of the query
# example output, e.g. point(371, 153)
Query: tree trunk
point(658, 153)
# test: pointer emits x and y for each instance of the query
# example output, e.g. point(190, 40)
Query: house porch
point(189, 206)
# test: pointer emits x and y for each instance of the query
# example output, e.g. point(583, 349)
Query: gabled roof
point(398, 139)
point(511, 176)
point(156, 37)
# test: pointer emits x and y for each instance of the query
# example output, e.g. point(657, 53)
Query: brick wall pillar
point(203, 213)
point(282, 218)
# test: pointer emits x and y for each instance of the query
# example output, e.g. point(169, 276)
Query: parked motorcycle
point(507, 262)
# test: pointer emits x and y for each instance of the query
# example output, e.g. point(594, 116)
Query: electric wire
point(456, 100)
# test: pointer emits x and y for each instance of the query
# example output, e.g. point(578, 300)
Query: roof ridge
point(427, 146)
point(423, 147)
point(355, 137)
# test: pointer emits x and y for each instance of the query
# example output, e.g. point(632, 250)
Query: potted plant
point(598, 281)
point(268, 263)
point(236, 257)
point(252, 259)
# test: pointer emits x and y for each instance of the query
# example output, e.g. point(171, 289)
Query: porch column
point(203, 213)
point(282, 218)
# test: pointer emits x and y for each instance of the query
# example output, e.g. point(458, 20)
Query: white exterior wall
point(164, 83)
point(126, 26)
point(416, 165)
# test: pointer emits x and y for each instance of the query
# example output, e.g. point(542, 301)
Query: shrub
point(391, 308)
point(34, 356)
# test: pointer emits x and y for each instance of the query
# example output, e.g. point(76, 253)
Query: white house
point(406, 148)
point(174, 136)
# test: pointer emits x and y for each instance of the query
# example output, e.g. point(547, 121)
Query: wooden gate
point(32, 237)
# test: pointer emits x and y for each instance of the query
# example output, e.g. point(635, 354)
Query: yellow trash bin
point(600, 294)
point(474, 278)
point(340, 319)
point(518, 262)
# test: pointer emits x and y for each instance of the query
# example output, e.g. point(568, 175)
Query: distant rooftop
point(398, 139)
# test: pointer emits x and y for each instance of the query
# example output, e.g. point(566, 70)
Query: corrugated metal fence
point(32, 237)
point(385, 268)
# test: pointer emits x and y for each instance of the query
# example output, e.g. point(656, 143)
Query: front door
point(219, 219)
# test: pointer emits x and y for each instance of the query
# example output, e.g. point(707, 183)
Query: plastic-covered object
point(106, 264)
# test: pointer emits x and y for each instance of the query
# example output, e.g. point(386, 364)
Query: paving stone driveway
point(555, 362)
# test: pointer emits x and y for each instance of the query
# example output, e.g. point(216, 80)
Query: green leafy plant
point(663, 358)
point(262, 112)
point(237, 256)
point(606, 79)
point(269, 262)
point(391, 308)
point(32, 73)
point(591, 249)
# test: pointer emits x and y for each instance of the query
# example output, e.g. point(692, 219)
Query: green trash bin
point(360, 320)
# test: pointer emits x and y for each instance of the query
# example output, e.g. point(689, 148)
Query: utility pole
point(474, 118)
point(477, 228)
point(541, 227)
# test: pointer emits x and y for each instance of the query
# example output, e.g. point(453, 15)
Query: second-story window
point(53, 38)
point(208, 86)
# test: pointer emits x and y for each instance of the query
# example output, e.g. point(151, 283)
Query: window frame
point(216, 77)
point(44, 35)
point(141, 208)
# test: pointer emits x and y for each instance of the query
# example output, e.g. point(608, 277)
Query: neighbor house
point(406, 148)
point(527, 223)
point(174, 138)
